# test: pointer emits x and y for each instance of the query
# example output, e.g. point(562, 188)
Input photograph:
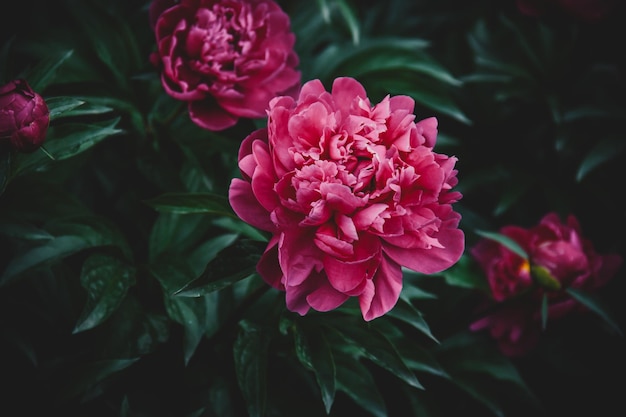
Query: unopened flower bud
point(24, 116)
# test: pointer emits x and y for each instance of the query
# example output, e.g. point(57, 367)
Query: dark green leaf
point(44, 72)
point(466, 274)
point(354, 379)
point(250, 353)
point(469, 352)
point(186, 203)
point(380, 350)
point(51, 251)
point(314, 352)
point(405, 311)
point(64, 142)
point(74, 379)
point(60, 105)
point(601, 152)
point(505, 241)
point(107, 280)
point(593, 303)
point(190, 313)
point(232, 264)
point(25, 231)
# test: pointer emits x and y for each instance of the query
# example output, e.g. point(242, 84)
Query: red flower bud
point(24, 116)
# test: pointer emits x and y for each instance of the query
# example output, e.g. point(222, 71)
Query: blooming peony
point(351, 193)
point(226, 58)
point(24, 116)
point(563, 257)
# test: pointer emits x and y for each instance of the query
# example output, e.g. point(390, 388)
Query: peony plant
point(559, 257)
point(225, 58)
point(351, 193)
point(282, 208)
point(24, 116)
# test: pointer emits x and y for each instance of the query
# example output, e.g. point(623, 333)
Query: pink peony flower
point(24, 116)
point(585, 10)
point(566, 258)
point(226, 58)
point(351, 193)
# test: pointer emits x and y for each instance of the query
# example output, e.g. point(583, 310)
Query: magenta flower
point(351, 193)
point(24, 116)
point(562, 257)
point(226, 58)
point(585, 10)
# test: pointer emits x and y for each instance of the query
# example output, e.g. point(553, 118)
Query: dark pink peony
point(351, 193)
point(226, 58)
point(585, 10)
point(24, 116)
point(561, 253)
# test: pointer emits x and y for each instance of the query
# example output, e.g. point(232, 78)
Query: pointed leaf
point(51, 251)
point(379, 349)
point(64, 142)
point(354, 379)
point(504, 241)
point(59, 105)
point(466, 274)
point(406, 312)
point(44, 72)
point(250, 353)
point(185, 203)
point(74, 379)
point(601, 152)
point(107, 280)
point(594, 304)
point(232, 264)
point(314, 352)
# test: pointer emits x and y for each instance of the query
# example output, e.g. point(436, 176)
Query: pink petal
point(210, 116)
point(382, 295)
point(433, 260)
point(345, 90)
point(247, 207)
point(298, 255)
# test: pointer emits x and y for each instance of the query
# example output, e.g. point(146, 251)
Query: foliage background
point(100, 311)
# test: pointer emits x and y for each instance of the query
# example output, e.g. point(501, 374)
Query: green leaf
point(354, 379)
point(186, 203)
point(43, 73)
point(232, 264)
point(238, 226)
point(72, 235)
point(208, 250)
point(51, 251)
point(542, 276)
point(593, 303)
point(59, 105)
point(24, 231)
point(419, 358)
point(470, 352)
point(190, 313)
point(314, 352)
point(406, 312)
point(601, 152)
point(64, 142)
point(107, 280)
point(466, 274)
point(379, 349)
point(505, 241)
point(347, 13)
point(250, 353)
point(176, 233)
point(76, 378)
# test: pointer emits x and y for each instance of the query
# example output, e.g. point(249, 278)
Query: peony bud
point(24, 116)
